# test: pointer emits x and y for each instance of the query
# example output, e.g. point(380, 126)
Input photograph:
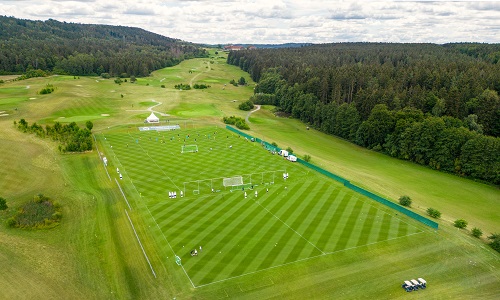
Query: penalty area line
point(143, 251)
point(170, 246)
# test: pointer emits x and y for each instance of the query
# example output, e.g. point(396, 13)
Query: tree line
point(71, 136)
point(431, 104)
point(81, 49)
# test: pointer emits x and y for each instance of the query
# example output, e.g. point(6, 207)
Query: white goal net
point(233, 181)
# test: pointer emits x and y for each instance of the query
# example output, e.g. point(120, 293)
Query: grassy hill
point(95, 253)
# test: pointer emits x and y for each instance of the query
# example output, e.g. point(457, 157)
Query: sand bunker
point(3, 115)
point(105, 115)
point(79, 85)
point(32, 98)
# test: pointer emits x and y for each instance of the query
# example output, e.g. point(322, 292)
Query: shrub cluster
point(3, 204)
point(247, 105)
point(460, 223)
point(434, 213)
point(41, 212)
point(72, 137)
point(47, 90)
point(405, 200)
point(237, 121)
point(200, 86)
point(495, 241)
point(182, 86)
point(32, 74)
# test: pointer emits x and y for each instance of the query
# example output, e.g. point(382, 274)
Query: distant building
point(251, 47)
point(233, 48)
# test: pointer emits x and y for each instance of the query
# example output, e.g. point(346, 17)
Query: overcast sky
point(280, 21)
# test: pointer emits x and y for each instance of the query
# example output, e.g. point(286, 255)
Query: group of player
point(195, 252)
point(256, 193)
point(174, 194)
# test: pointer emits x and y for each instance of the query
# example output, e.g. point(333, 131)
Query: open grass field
point(314, 239)
point(287, 221)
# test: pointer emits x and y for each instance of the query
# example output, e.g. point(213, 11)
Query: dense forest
point(436, 105)
point(82, 49)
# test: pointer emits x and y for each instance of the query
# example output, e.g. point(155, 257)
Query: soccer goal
point(189, 148)
point(233, 181)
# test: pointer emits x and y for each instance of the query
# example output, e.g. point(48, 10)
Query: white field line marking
point(164, 237)
point(170, 246)
point(100, 158)
point(143, 251)
point(154, 161)
point(253, 272)
point(387, 210)
point(303, 259)
point(373, 243)
point(290, 228)
point(123, 194)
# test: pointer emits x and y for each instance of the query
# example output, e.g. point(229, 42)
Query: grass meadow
point(315, 239)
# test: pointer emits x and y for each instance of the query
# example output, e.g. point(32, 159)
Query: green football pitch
point(268, 223)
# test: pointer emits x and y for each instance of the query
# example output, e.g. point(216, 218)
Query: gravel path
point(249, 113)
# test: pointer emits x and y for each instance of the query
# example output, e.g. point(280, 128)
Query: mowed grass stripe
point(374, 234)
point(223, 215)
point(169, 215)
point(348, 225)
point(302, 218)
point(287, 205)
point(328, 236)
point(270, 249)
point(226, 242)
point(194, 229)
point(367, 226)
point(309, 214)
point(252, 261)
point(285, 241)
point(385, 227)
point(358, 225)
point(318, 223)
point(269, 227)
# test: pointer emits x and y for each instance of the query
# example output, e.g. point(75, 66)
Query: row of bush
point(236, 121)
point(71, 136)
point(459, 223)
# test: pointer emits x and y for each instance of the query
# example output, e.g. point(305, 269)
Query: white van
point(283, 153)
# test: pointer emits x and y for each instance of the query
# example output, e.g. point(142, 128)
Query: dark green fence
point(346, 183)
point(392, 205)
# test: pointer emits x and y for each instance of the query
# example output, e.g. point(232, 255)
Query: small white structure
point(423, 283)
point(292, 158)
point(152, 118)
point(283, 153)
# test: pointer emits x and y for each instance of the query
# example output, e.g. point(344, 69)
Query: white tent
point(152, 119)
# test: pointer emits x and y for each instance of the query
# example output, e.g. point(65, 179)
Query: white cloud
point(281, 21)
